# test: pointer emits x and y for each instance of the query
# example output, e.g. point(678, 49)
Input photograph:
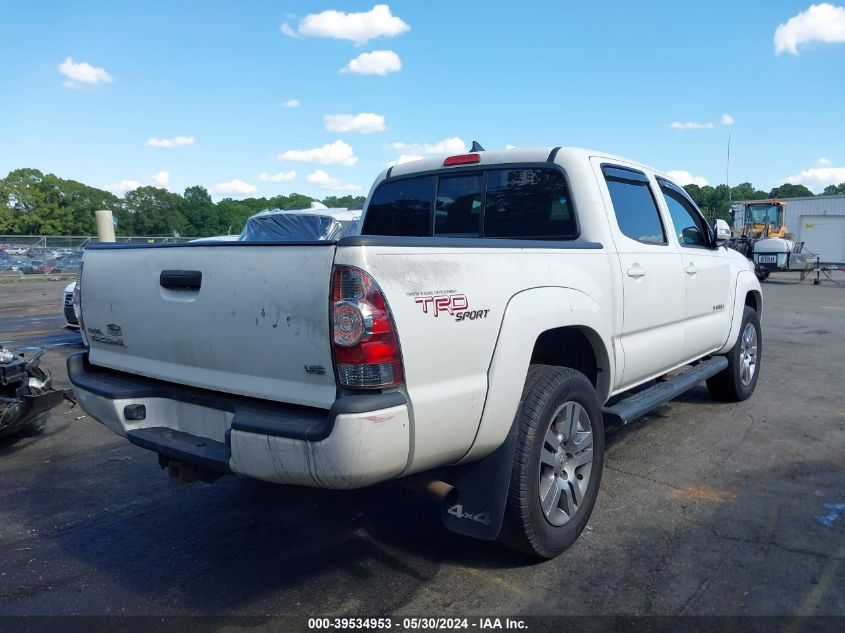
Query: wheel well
point(579, 348)
point(754, 300)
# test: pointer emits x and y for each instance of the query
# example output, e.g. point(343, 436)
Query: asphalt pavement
point(705, 508)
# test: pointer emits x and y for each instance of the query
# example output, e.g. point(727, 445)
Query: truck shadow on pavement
point(220, 547)
point(31, 433)
point(134, 543)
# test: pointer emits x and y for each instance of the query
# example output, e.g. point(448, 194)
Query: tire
point(734, 384)
point(559, 396)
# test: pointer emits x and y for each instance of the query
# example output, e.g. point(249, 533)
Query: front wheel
point(739, 379)
point(557, 462)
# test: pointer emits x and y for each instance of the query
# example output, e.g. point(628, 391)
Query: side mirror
point(692, 236)
point(722, 232)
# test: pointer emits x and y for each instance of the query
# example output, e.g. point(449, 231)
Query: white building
point(818, 221)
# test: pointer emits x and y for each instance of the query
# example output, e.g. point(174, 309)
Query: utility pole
point(728, 176)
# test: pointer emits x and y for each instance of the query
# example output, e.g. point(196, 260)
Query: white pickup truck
point(497, 311)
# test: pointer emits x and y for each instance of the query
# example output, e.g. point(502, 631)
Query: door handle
point(636, 271)
point(691, 269)
point(180, 279)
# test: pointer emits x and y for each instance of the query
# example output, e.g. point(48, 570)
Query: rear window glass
point(458, 208)
point(498, 203)
point(528, 203)
point(401, 207)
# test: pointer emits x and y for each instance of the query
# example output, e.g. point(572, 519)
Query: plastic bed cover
point(279, 225)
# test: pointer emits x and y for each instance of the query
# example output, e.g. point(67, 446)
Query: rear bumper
point(361, 440)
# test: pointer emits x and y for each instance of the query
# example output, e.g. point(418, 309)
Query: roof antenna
point(476, 147)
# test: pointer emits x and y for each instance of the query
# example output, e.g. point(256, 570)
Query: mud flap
point(482, 489)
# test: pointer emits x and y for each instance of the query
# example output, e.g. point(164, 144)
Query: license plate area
point(767, 259)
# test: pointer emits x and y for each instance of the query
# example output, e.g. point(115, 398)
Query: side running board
point(640, 403)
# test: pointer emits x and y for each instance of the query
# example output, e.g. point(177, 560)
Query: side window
point(528, 203)
point(457, 211)
point(634, 206)
point(401, 207)
point(689, 225)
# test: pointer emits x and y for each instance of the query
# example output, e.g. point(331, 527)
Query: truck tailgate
point(239, 318)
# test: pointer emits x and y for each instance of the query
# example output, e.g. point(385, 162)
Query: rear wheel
point(557, 463)
point(739, 379)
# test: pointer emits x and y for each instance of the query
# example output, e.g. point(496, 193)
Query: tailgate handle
point(181, 279)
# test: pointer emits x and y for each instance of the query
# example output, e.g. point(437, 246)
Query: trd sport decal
point(455, 305)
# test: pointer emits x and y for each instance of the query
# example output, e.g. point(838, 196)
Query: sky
point(262, 98)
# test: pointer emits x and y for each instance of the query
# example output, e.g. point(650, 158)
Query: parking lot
point(705, 508)
point(18, 260)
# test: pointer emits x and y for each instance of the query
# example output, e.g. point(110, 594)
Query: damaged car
point(26, 391)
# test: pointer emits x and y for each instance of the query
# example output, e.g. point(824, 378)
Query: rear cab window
point(457, 210)
point(401, 207)
point(519, 202)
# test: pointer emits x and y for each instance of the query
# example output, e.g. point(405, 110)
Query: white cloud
point(364, 123)
point(355, 27)
point(820, 23)
point(82, 73)
point(176, 141)
point(727, 119)
point(823, 161)
point(337, 153)
point(817, 178)
point(453, 145)
point(690, 125)
point(123, 186)
point(281, 176)
point(509, 146)
point(291, 103)
point(683, 177)
point(237, 187)
point(375, 63)
point(158, 179)
point(404, 158)
point(418, 151)
point(161, 178)
point(287, 30)
point(324, 181)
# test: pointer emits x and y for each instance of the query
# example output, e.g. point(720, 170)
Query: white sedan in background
point(67, 306)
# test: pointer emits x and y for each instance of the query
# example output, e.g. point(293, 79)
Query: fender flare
point(746, 281)
point(527, 315)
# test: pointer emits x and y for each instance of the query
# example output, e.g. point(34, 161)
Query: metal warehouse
point(818, 221)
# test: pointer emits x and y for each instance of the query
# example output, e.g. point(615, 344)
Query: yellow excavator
point(764, 238)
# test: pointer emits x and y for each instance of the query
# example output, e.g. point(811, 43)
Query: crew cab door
point(707, 279)
point(652, 336)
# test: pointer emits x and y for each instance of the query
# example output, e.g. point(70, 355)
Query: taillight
point(77, 307)
point(366, 348)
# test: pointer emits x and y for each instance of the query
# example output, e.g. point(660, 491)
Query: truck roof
point(515, 155)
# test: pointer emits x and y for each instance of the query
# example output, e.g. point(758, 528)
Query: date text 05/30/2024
point(414, 624)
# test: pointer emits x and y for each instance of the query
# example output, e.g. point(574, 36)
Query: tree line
point(715, 202)
point(32, 203)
